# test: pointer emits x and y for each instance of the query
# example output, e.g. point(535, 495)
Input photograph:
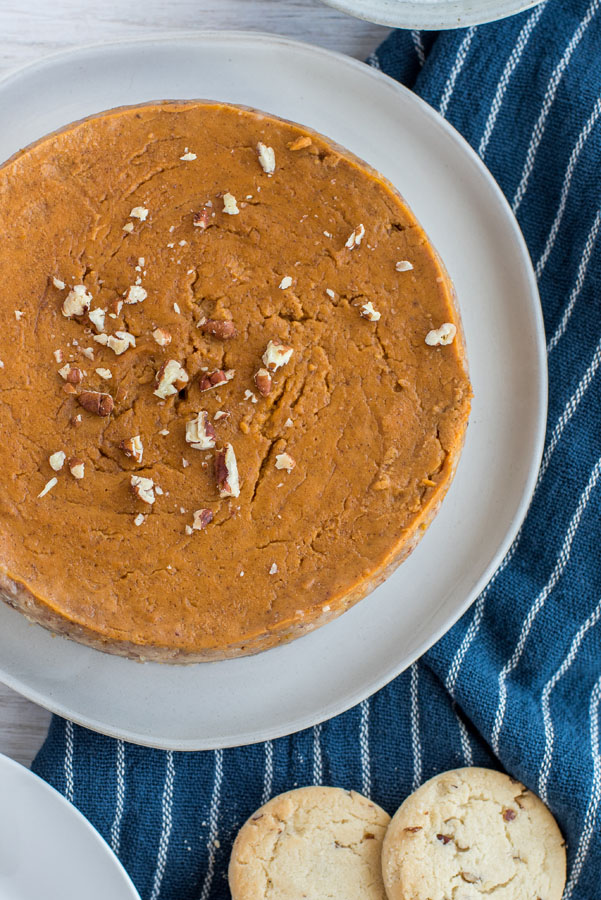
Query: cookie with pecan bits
point(472, 833)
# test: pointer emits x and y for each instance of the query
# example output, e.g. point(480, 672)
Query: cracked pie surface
point(234, 388)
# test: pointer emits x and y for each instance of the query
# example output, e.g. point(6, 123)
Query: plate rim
point(47, 788)
point(426, 16)
point(368, 688)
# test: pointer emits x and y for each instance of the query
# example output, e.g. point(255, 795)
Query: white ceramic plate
point(291, 687)
point(48, 849)
point(431, 15)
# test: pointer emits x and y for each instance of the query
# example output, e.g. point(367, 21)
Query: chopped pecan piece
point(96, 317)
point(200, 434)
point(76, 467)
point(369, 312)
point(218, 328)
point(136, 294)
point(71, 374)
point(77, 302)
point(284, 461)
point(143, 488)
point(300, 143)
point(57, 460)
point(230, 205)
point(202, 218)
point(202, 518)
point(96, 402)
point(444, 838)
point(276, 355)
point(48, 487)
point(263, 382)
point(133, 448)
point(444, 335)
point(509, 814)
point(161, 336)
point(170, 379)
point(214, 379)
point(266, 158)
point(355, 237)
point(226, 472)
point(413, 829)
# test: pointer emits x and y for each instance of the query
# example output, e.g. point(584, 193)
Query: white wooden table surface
point(30, 30)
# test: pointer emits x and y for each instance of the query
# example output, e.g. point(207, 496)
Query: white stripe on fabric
point(591, 813)
point(545, 768)
point(374, 62)
point(558, 570)
point(552, 86)
point(579, 284)
point(416, 37)
point(120, 798)
point(415, 735)
point(68, 764)
point(317, 759)
point(213, 825)
point(569, 410)
point(510, 67)
point(166, 826)
point(567, 182)
point(456, 70)
point(364, 747)
point(466, 744)
point(268, 772)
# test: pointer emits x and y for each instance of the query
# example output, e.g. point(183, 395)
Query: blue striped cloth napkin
point(517, 682)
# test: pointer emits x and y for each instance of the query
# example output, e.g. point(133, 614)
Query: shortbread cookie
point(314, 843)
point(471, 833)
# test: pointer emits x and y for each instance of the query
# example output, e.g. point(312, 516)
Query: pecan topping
point(284, 461)
point(133, 448)
point(285, 283)
point(214, 379)
point(202, 517)
point(71, 374)
point(368, 312)
point(202, 218)
point(300, 143)
point(48, 487)
point(230, 205)
point(223, 330)
point(200, 434)
point(161, 336)
point(445, 838)
point(139, 212)
point(263, 382)
point(509, 814)
point(96, 317)
point(170, 379)
point(136, 294)
point(413, 829)
point(57, 460)
point(276, 355)
point(403, 265)
point(188, 156)
point(77, 302)
point(355, 237)
point(143, 488)
point(443, 335)
point(76, 467)
point(266, 158)
point(69, 389)
point(58, 283)
point(226, 472)
point(96, 402)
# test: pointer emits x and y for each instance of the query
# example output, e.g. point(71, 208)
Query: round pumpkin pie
point(234, 388)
